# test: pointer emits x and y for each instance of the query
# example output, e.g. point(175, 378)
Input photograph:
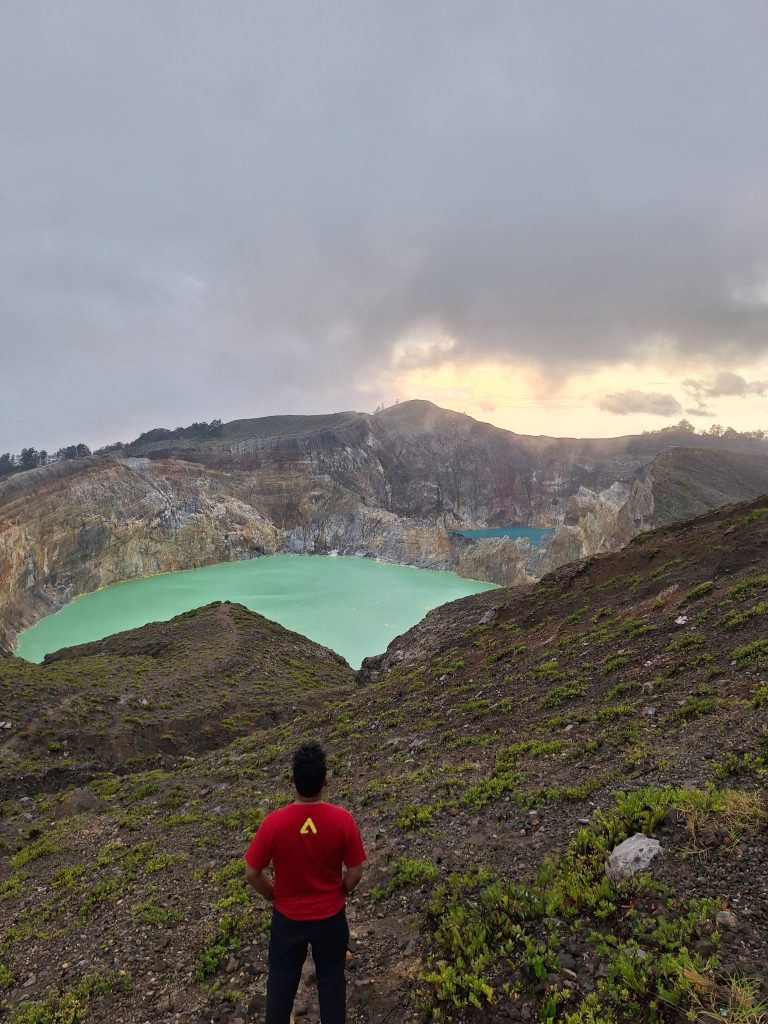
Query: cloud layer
point(248, 208)
point(626, 402)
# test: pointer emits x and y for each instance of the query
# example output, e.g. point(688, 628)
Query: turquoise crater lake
point(355, 606)
point(531, 533)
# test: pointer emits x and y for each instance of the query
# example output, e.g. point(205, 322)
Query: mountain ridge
point(395, 485)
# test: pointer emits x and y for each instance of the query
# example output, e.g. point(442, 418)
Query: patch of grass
point(504, 778)
point(449, 665)
point(662, 569)
point(225, 939)
point(548, 670)
point(747, 764)
point(694, 707)
point(45, 846)
point(415, 819)
point(614, 664)
point(514, 651)
point(574, 616)
point(407, 871)
point(163, 861)
point(633, 628)
point(490, 938)
point(614, 711)
point(477, 707)
point(12, 887)
point(558, 695)
point(72, 1005)
point(698, 592)
point(688, 664)
point(751, 654)
point(755, 516)
point(685, 642)
point(619, 690)
point(734, 619)
point(154, 914)
point(69, 878)
point(748, 588)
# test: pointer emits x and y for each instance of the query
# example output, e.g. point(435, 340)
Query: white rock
point(631, 856)
point(681, 620)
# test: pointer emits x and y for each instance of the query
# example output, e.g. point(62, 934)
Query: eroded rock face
point(394, 486)
point(510, 563)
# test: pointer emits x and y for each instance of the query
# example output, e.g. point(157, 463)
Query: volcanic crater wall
point(392, 486)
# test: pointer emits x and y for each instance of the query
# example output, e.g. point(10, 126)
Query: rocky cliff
point(393, 486)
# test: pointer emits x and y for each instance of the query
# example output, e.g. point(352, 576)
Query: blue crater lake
point(355, 606)
point(531, 533)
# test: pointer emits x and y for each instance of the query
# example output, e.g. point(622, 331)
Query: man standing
point(317, 856)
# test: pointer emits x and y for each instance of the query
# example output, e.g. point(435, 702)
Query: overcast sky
point(553, 215)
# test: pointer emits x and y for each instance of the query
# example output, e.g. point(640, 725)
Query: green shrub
point(748, 588)
point(734, 619)
point(614, 664)
point(701, 591)
point(685, 642)
point(71, 1006)
point(559, 694)
point(694, 707)
point(415, 819)
point(751, 654)
point(490, 937)
point(407, 871)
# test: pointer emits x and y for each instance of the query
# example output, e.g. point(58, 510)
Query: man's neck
point(308, 799)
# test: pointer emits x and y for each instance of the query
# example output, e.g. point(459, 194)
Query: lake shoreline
point(340, 594)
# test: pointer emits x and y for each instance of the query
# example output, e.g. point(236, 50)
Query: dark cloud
point(237, 209)
point(725, 383)
point(625, 402)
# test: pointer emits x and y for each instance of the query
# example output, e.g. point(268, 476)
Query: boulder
point(633, 855)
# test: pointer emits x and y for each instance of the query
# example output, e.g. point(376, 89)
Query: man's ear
point(325, 781)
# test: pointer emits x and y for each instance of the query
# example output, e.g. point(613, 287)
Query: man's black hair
point(309, 769)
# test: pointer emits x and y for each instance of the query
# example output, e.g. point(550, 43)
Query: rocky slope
point(493, 756)
point(392, 486)
point(155, 696)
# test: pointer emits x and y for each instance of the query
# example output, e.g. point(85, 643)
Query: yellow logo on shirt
point(307, 827)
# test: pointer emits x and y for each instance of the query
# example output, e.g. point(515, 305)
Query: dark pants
point(288, 941)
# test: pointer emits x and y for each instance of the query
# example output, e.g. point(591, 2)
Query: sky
point(550, 215)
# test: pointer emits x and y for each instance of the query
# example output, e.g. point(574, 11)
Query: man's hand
point(260, 882)
point(352, 878)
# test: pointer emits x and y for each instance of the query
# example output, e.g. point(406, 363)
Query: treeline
point(203, 429)
point(716, 430)
point(31, 458)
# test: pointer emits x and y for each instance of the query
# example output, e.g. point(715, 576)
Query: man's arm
point(260, 882)
point(352, 878)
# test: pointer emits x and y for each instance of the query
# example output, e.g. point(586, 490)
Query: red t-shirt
point(307, 844)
